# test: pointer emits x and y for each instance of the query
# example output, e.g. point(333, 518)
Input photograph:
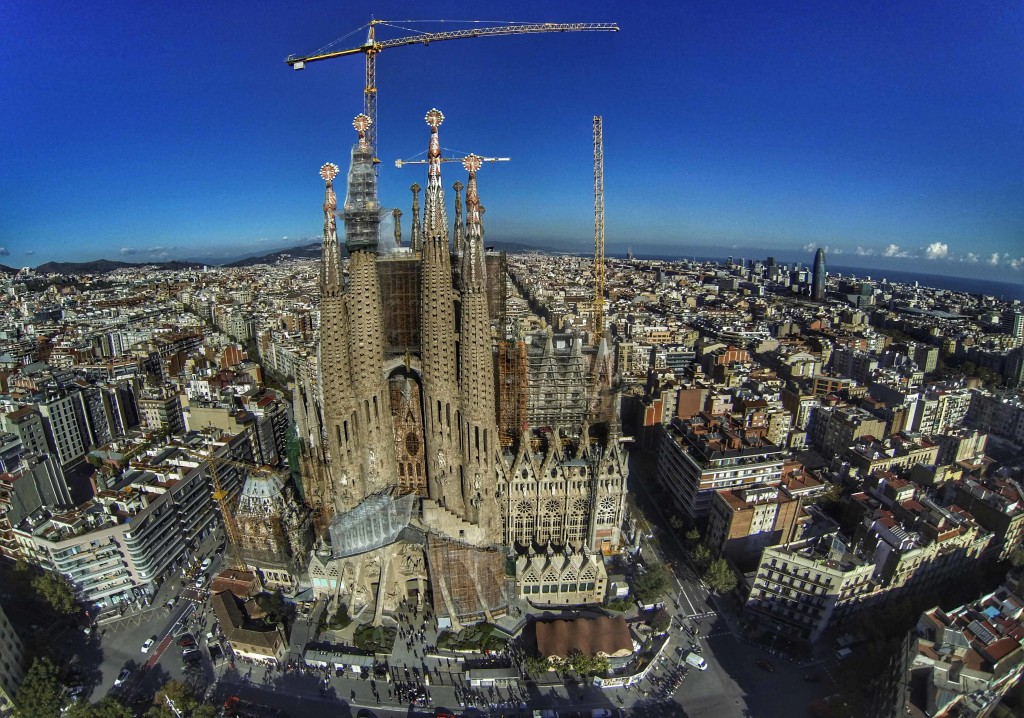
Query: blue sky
point(892, 133)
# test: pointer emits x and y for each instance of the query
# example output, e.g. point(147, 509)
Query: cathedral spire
point(416, 241)
point(330, 271)
point(362, 211)
point(435, 217)
point(397, 214)
point(472, 268)
point(460, 230)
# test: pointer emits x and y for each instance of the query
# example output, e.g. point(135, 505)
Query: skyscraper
point(416, 492)
point(818, 283)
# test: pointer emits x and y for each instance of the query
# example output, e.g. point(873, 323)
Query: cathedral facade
point(416, 493)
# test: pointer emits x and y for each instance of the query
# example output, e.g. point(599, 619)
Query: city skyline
point(888, 136)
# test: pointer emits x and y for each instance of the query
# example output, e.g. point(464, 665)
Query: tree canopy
point(651, 585)
point(41, 693)
point(56, 591)
point(186, 703)
point(719, 576)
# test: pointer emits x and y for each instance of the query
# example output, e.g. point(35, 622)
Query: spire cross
point(434, 119)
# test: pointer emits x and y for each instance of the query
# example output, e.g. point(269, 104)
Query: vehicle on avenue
point(200, 580)
point(696, 661)
point(148, 644)
point(205, 564)
point(123, 676)
point(186, 640)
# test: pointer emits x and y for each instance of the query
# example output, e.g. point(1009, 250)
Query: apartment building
point(744, 521)
point(12, 654)
point(706, 453)
point(802, 589)
point(998, 505)
point(959, 662)
point(835, 428)
point(138, 529)
point(898, 452)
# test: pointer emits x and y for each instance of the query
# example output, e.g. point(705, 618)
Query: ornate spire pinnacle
point(397, 214)
point(330, 271)
point(460, 233)
point(362, 211)
point(473, 271)
point(435, 218)
point(416, 241)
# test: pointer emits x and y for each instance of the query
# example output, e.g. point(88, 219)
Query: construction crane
point(598, 229)
point(372, 47)
point(401, 163)
point(220, 494)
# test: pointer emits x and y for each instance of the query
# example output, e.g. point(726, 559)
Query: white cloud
point(970, 257)
point(994, 259)
point(4, 252)
point(936, 250)
point(1017, 263)
point(893, 250)
point(128, 250)
point(810, 247)
point(861, 252)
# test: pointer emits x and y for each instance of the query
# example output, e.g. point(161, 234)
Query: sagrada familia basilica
point(447, 458)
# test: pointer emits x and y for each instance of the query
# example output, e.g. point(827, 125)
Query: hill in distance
point(102, 266)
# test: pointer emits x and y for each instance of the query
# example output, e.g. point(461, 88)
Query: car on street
point(200, 580)
point(148, 644)
point(205, 564)
point(186, 640)
point(123, 676)
point(765, 665)
point(696, 661)
point(170, 604)
point(191, 654)
point(601, 713)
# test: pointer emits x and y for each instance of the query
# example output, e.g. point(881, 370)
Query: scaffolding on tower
point(598, 229)
point(512, 390)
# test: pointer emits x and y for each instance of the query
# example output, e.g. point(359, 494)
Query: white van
point(696, 661)
point(843, 653)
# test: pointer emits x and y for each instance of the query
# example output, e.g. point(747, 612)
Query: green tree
point(106, 708)
point(584, 665)
point(719, 576)
point(41, 692)
point(56, 591)
point(274, 606)
point(702, 556)
point(186, 703)
point(660, 621)
point(692, 537)
point(675, 522)
point(651, 585)
point(536, 664)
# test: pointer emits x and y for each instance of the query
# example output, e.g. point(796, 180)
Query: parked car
point(123, 676)
point(696, 661)
point(148, 644)
point(205, 564)
point(200, 580)
point(186, 640)
point(170, 604)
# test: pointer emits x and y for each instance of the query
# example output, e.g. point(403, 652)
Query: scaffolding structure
point(399, 280)
point(497, 288)
point(512, 390)
point(468, 583)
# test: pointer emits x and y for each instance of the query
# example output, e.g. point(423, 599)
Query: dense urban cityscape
point(402, 468)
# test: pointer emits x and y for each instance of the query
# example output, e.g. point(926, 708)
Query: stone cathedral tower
point(415, 492)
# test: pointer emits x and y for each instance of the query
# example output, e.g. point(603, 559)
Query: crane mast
point(598, 229)
point(372, 47)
